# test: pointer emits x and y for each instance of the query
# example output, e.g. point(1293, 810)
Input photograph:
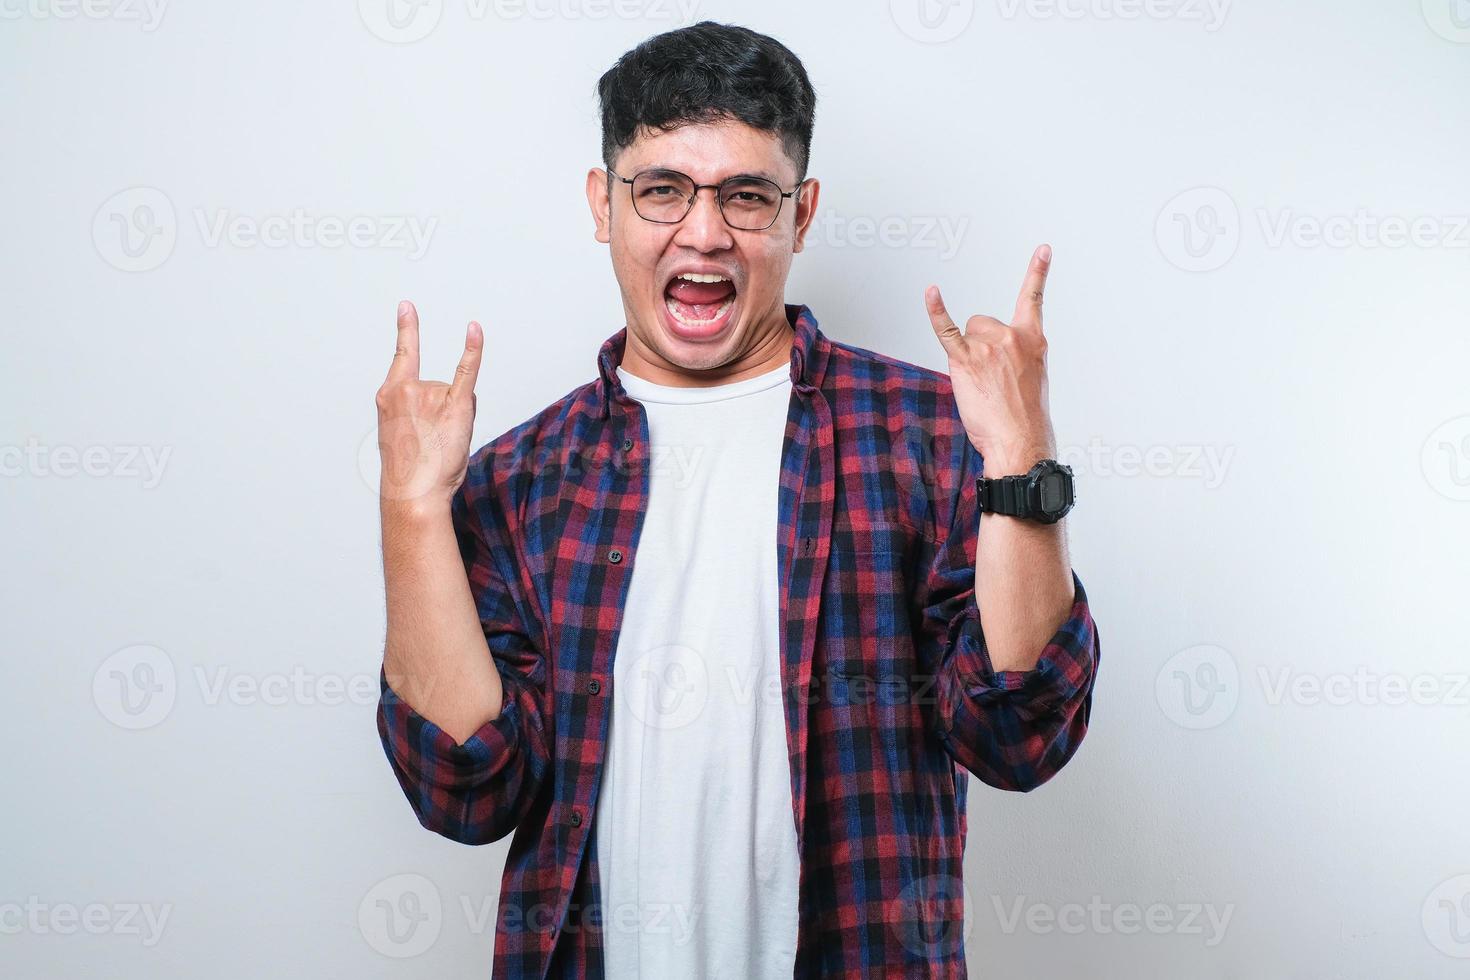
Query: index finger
point(951, 338)
point(406, 358)
point(1028, 304)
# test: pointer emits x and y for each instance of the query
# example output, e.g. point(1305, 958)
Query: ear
point(806, 210)
point(600, 203)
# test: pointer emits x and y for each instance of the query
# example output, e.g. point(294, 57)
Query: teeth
point(702, 277)
point(674, 312)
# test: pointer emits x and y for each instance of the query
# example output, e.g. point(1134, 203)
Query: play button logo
point(400, 21)
point(932, 21)
point(1450, 19)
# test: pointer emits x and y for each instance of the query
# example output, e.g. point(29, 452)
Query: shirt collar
point(808, 358)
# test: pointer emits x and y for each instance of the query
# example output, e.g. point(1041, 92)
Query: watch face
point(1053, 492)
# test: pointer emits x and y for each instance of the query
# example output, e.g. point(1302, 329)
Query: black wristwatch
point(1044, 494)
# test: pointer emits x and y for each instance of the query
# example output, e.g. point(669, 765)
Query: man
point(705, 633)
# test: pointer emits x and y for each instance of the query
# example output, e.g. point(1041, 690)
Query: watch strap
point(1004, 495)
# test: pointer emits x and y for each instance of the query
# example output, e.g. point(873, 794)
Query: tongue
point(699, 300)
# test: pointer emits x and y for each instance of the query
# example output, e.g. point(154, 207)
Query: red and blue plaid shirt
point(887, 686)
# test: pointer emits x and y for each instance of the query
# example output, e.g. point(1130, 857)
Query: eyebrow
point(764, 175)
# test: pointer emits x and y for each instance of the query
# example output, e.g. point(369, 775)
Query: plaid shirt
point(887, 685)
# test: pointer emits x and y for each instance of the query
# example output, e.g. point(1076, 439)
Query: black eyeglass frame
point(719, 198)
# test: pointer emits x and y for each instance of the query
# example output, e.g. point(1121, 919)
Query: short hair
point(705, 73)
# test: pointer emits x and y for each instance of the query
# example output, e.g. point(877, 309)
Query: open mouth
point(699, 302)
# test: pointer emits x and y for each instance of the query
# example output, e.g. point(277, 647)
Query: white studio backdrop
point(1258, 360)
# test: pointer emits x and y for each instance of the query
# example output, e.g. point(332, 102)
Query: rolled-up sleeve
point(1012, 729)
point(477, 792)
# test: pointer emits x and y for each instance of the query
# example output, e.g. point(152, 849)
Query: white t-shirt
point(696, 842)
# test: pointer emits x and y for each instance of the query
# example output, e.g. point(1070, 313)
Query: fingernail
point(403, 307)
point(1046, 253)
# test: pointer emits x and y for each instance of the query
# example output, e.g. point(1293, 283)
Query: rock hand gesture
point(424, 427)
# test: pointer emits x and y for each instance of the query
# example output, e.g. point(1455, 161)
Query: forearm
point(1023, 585)
point(435, 656)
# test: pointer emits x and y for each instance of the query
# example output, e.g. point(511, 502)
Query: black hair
point(704, 73)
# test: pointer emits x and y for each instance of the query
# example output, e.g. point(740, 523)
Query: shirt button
point(627, 444)
point(615, 556)
point(576, 818)
point(593, 687)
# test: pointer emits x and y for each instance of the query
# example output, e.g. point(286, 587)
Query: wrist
point(415, 511)
point(996, 468)
point(1015, 456)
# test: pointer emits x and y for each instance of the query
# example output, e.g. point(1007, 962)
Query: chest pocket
point(866, 603)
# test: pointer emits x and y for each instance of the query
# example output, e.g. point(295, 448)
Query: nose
point(704, 228)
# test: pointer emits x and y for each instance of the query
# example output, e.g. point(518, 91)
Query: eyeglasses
point(746, 203)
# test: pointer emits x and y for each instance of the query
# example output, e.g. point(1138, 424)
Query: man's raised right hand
point(425, 427)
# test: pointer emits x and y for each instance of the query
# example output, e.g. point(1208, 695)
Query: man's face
point(679, 326)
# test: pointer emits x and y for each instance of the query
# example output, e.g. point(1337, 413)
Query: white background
point(1280, 722)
